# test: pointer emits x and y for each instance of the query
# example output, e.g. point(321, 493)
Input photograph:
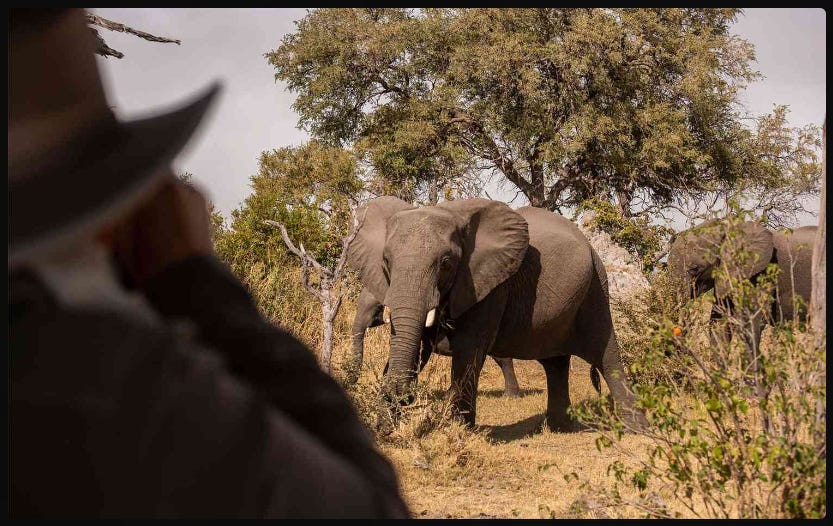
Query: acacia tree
point(782, 171)
point(564, 104)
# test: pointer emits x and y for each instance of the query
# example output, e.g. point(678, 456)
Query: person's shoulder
point(63, 354)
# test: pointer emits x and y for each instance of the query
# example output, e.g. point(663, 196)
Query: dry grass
point(509, 466)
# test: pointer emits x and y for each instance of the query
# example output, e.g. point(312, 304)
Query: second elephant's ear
point(755, 247)
point(495, 244)
point(366, 250)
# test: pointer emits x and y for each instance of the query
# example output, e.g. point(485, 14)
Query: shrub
point(635, 234)
point(637, 317)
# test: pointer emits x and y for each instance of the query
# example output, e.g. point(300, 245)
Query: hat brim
point(57, 208)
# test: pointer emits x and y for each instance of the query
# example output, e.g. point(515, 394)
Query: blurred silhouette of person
point(171, 397)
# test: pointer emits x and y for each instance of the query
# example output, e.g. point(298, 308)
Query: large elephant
point(696, 253)
point(480, 278)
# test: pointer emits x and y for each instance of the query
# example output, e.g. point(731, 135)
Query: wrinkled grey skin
point(522, 284)
point(695, 254)
point(369, 315)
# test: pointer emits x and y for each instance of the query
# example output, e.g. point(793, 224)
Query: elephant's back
point(794, 255)
point(546, 292)
point(552, 229)
point(563, 247)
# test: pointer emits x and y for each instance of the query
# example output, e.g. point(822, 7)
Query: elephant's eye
point(445, 261)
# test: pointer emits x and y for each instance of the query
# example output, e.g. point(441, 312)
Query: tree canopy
point(310, 189)
point(565, 104)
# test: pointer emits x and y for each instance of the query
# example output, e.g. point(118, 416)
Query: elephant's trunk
point(682, 283)
point(407, 323)
point(412, 308)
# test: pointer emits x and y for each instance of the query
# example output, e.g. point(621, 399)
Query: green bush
point(635, 234)
point(639, 316)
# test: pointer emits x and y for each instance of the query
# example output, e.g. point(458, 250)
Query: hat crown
point(55, 91)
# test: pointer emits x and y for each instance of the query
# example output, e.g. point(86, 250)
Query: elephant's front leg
point(466, 365)
point(368, 314)
point(469, 344)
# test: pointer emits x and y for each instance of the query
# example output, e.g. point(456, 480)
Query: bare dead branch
point(306, 283)
point(121, 28)
point(302, 254)
point(106, 51)
point(101, 47)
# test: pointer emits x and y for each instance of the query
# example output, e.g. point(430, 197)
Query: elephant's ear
point(495, 244)
point(365, 253)
point(756, 240)
point(698, 245)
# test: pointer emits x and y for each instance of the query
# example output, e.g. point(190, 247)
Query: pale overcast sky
point(254, 111)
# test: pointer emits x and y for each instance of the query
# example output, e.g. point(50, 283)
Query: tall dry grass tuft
point(278, 292)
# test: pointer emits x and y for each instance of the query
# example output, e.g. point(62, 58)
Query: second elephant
point(697, 253)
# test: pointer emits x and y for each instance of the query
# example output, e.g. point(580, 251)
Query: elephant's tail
point(595, 379)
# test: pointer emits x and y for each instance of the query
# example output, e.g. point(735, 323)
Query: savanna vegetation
point(633, 113)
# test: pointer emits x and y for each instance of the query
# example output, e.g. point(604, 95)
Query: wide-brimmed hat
point(73, 167)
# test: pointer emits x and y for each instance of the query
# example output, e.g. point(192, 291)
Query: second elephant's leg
point(368, 314)
point(510, 381)
point(557, 369)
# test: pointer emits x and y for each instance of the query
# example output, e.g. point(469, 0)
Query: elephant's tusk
point(429, 320)
point(386, 314)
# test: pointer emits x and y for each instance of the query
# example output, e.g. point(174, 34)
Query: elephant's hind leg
point(510, 381)
point(600, 347)
point(557, 369)
point(603, 353)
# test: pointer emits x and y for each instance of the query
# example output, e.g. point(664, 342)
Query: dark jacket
point(109, 417)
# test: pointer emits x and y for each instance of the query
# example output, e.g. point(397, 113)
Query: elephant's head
point(696, 253)
point(424, 263)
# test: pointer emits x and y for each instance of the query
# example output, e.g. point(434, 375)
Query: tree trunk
point(537, 200)
point(433, 191)
point(624, 199)
point(819, 300)
point(538, 192)
point(328, 315)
